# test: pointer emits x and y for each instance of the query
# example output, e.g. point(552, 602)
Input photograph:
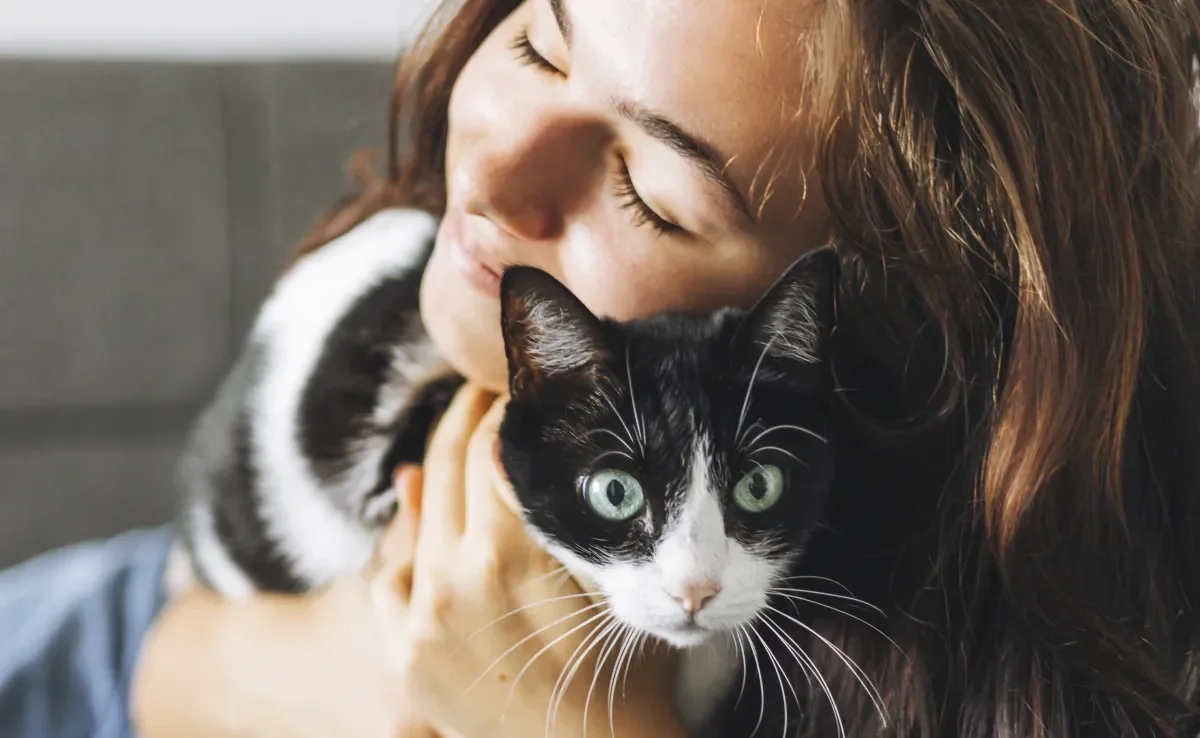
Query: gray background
point(145, 209)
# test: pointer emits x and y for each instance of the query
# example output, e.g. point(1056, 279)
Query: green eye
point(760, 489)
point(614, 495)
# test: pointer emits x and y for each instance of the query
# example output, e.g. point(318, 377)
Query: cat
point(678, 464)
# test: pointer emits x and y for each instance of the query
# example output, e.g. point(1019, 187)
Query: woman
point(1013, 190)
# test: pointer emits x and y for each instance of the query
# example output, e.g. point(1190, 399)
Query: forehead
point(728, 71)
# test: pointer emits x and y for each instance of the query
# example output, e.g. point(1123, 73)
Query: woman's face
point(647, 154)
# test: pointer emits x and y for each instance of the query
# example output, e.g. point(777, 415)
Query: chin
point(465, 330)
point(686, 637)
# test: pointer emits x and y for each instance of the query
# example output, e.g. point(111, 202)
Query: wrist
point(180, 685)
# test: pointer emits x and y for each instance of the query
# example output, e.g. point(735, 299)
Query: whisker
point(737, 640)
point(787, 644)
point(640, 641)
point(545, 648)
point(612, 433)
point(521, 609)
point(617, 413)
point(748, 430)
point(798, 428)
point(762, 694)
point(812, 578)
point(816, 593)
point(612, 638)
point(855, 669)
point(633, 399)
point(576, 657)
point(612, 453)
point(540, 577)
point(794, 648)
point(631, 638)
point(624, 637)
point(785, 453)
point(870, 625)
point(778, 674)
point(810, 666)
point(750, 387)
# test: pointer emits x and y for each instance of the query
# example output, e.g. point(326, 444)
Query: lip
point(479, 267)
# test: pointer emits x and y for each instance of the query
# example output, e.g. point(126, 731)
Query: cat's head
point(680, 463)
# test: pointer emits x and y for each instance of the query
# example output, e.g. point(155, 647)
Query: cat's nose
point(693, 597)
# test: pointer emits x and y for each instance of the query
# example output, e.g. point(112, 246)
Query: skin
point(533, 160)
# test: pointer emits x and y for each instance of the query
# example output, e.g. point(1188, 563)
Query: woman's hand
point(273, 665)
point(490, 634)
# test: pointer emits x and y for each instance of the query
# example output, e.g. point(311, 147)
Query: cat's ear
point(548, 333)
point(794, 319)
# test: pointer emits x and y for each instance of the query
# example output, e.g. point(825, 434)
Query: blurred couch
point(145, 209)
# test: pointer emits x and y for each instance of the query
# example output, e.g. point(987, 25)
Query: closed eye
point(527, 54)
point(643, 214)
point(630, 199)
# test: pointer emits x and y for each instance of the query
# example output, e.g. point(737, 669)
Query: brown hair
point(1014, 188)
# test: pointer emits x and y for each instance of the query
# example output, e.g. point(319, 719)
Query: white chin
point(685, 637)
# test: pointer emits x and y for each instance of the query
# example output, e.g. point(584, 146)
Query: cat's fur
point(287, 476)
point(688, 407)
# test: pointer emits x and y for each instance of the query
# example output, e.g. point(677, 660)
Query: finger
point(492, 508)
point(400, 538)
point(397, 550)
point(444, 494)
point(417, 731)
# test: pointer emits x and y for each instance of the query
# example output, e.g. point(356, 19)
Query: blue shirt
point(72, 623)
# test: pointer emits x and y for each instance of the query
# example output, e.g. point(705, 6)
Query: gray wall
point(144, 211)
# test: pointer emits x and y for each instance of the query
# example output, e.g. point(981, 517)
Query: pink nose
point(693, 597)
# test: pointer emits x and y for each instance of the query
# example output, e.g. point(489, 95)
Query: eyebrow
point(663, 130)
point(687, 146)
point(562, 19)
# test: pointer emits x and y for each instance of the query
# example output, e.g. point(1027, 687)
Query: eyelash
point(643, 214)
point(526, 54)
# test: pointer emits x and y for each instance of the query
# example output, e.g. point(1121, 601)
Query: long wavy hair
point(1014, 189)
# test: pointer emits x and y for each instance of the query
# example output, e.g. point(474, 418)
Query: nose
point(526, 183)
point(694, 596)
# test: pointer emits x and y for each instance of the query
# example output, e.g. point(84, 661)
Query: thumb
point(399, 543)
point(489, 433)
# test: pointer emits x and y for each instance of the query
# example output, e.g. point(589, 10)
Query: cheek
point(621, 277)
point(746, 582)
point(637, 593)
point(628, 277)
point(485, 87)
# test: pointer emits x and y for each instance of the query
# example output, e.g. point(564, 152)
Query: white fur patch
point(293, 326)
point(694, 548)
point(223, 574)
point(706, 674)
point(410, 364)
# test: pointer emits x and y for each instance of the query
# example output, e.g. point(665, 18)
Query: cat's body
point(287, 478)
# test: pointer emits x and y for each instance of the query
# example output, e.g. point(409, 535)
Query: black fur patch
point(339, 401)
point(644, 395)
point(239, 524)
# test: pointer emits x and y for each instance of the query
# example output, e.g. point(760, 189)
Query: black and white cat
point(679, 464)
